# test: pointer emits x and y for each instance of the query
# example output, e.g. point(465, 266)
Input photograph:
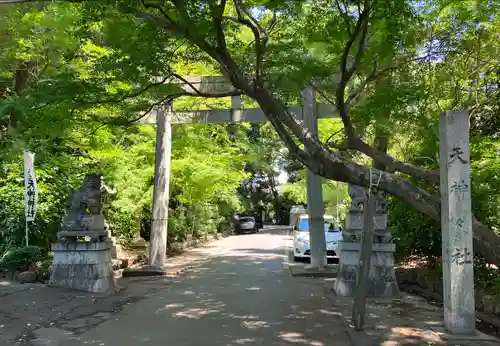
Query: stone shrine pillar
point(382, 283)
point(456, 223)
point(82, 252)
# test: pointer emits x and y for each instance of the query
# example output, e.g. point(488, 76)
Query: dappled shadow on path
point(241, 298)
point(247, 298)
point(405, 320)
point(244, 297)
point(388, 322)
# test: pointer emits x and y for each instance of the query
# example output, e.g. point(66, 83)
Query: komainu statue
point(85, 206)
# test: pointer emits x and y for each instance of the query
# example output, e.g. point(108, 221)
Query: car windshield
point(329, 226)
point(247, 219)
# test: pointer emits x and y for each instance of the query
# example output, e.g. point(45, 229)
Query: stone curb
point(425, 293)
point(192, 243)
point(181, 268)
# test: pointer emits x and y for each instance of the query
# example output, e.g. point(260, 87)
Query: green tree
point(376, 61)
point(62, 113)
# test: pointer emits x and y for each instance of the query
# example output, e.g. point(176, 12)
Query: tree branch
point(121, 121)
point(195, 93)
point(371, 77)
point(162, 23)
point(241, 9)
point(181, 6)
point(335, 145)
point(217, 16)
point(241, 12)
point(353, 141)
point(346, 73)
point(292, 147)
point(374, 75)
point(345, 16)
point(261, 37)
point(168, 99)
point(175, 28)
point(391, 164)
point(132, 95)
point(159, 9)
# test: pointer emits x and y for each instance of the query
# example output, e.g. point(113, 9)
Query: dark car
point(246, 224)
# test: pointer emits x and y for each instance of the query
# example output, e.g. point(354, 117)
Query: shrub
point(20, 259)
point(43, 267)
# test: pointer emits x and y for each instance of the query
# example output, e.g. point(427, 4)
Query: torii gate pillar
point(161, 194)
point(315, 206)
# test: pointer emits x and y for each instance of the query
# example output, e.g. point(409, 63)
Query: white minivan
point(301, 246)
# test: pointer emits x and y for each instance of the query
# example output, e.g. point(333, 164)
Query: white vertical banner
point(30, 186)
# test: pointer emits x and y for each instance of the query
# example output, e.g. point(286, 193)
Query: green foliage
point(335, 196)
point(55, 176)
point(486, 278)
point(94, 67)
point(413, 233)
point(44, 267)
point(485, 171)
point(20, 259)
point(89, 75)
point(204, 188)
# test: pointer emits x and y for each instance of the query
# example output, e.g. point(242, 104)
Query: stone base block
point(145, 271)
point(302, 269)
point(139, 244)
point(101, 285)
point(81, 257)
point(70, 246)
point(83, 270)
point(383, 283)
point(344, 285)
point(475, 336)
point(84, 266)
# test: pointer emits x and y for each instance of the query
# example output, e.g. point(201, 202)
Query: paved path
point(242, 296)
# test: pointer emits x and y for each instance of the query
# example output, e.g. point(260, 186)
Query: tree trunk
point(22, 80)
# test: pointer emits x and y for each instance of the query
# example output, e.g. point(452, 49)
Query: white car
point(301, 247)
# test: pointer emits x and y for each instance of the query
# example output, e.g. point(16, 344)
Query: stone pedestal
point(82, 265)
point(383, 283)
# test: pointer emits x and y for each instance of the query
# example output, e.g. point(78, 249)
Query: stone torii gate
point(308, 113)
